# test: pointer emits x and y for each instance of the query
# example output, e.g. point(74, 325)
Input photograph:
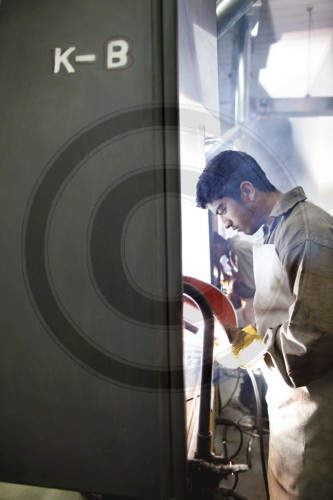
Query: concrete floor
point(250, 486)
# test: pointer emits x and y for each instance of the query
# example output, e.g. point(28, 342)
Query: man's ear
point(247, 191)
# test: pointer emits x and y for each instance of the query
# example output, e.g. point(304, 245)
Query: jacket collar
point(288, 201)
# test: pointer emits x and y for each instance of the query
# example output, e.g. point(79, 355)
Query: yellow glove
point(244, 341)
point(246, 345)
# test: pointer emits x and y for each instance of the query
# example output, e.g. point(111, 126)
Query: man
point(293, 307)
point(240, 260)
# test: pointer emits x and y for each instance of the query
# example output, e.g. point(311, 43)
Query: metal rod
point(309, 9)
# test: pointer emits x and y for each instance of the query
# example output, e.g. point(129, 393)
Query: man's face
point(240, 215)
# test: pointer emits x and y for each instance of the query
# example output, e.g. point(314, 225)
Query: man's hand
point(241, 338)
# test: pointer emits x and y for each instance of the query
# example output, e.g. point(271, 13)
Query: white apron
point(300, 463)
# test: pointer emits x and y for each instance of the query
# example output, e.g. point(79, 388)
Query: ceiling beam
point(261, 108)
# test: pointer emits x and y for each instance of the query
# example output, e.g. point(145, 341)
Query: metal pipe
point(242, 69)
point(228, 12)
point(204, 434)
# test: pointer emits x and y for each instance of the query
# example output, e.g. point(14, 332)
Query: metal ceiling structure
point(279, 20)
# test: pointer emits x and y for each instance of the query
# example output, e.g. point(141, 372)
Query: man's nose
point(226, 222)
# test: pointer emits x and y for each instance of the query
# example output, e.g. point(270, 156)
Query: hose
point(260, 429)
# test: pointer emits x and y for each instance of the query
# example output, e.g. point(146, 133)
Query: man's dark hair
point(225, 172)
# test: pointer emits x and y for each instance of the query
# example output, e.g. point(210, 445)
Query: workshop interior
point(116, 376)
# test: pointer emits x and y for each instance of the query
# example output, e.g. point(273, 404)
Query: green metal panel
point(91, 399)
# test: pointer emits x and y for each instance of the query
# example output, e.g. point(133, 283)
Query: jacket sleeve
point(302, 347)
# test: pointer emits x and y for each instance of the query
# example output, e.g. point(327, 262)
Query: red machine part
point(222, 308)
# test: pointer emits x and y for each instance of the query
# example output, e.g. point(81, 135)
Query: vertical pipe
point(241, 69)
point(204, 433)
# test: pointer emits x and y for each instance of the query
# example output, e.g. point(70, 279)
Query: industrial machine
point(100, 109)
